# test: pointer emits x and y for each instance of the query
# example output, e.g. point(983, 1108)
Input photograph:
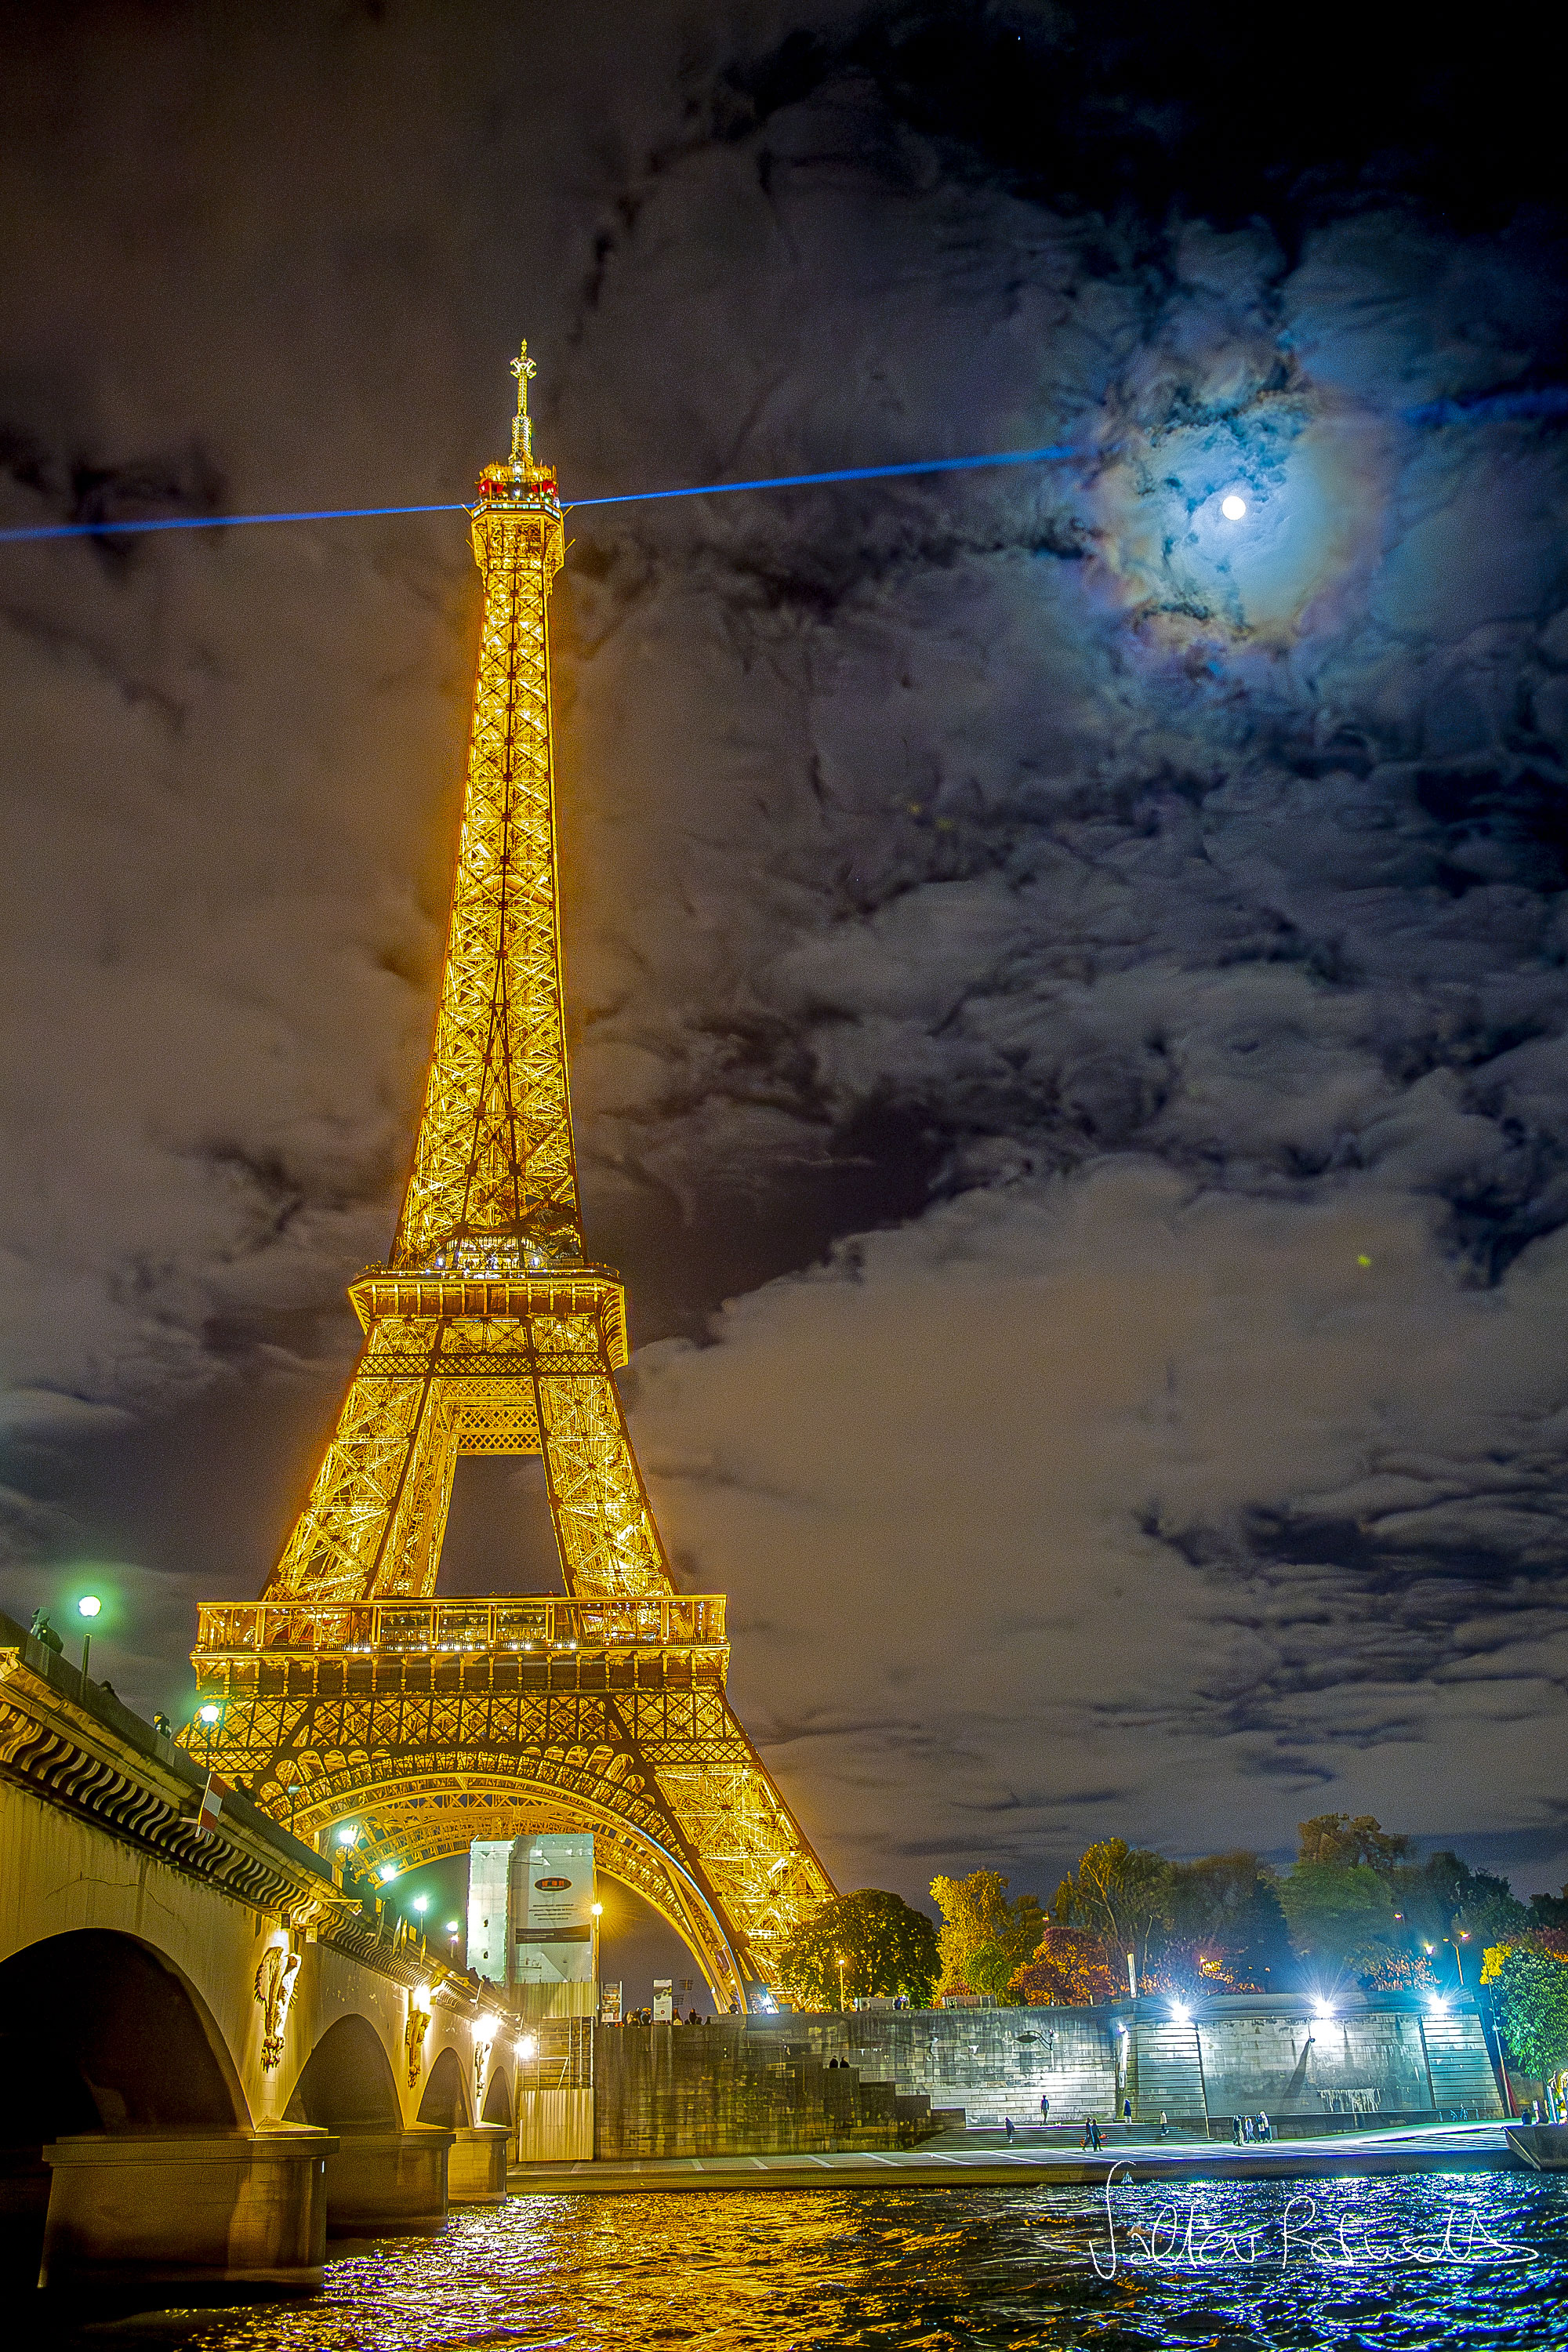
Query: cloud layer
point(1082, 977)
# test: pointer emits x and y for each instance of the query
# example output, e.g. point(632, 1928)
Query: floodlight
point(388, 1871)
point(208, 1714)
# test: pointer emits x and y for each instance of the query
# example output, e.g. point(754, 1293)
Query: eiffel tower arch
point(349, 1695)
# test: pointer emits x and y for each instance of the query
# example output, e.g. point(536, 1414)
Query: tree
point(1258, 1957)
point(1185, 1967)
point(983, 1937)
point(1335, 1838)
point(1341, 1916)
point(1068, 1971)
point(1427, 1896)
point(1121, 1893)
point(1530, 2004)
point(1208, 1896)
point(886, 1945)
point(1490, 1911)
point(1225, 1926)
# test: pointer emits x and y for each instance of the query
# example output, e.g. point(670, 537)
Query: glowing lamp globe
point(1233, 508)
point(89, 1605)
point(207, 1715)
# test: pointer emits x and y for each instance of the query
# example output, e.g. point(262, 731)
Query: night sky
point(1069, 1001)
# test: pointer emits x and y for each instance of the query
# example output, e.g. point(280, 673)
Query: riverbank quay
point(976, 2159)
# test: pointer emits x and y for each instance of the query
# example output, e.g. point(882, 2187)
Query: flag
point(213, 1795)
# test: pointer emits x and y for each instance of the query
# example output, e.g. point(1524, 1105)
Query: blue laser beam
point(1051, 455)
point(217, 523)
point(844, 474)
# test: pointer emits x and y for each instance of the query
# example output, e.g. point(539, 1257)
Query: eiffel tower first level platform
point(349, 1693)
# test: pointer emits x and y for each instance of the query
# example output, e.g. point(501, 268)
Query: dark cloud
point(1083, 976)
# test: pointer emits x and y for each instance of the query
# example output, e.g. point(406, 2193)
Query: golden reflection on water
point(953, 2271)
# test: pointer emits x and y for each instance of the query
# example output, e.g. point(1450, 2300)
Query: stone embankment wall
point(990, 2063)
point(725, 2090)
point(1379, 2058)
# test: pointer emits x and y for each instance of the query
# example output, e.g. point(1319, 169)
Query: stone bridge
point(209, 2053)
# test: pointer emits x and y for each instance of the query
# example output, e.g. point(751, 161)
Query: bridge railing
point(454, 1628)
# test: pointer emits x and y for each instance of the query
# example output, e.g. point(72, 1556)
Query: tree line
point(1357, 1907)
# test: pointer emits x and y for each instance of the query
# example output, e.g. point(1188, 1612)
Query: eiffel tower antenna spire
point(523, 367)
point(349, 1692)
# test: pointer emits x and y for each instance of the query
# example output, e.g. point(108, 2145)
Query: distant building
point(530, 1921)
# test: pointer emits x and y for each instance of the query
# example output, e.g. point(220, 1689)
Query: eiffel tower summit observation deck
point(348, 1697)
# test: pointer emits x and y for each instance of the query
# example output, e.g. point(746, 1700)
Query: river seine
point(1478, 2259)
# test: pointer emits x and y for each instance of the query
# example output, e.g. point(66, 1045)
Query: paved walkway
point(977, 2160)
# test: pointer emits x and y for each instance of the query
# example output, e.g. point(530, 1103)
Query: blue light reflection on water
point(949, 2271)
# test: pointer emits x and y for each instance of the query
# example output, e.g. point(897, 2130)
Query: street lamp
point(88, 1608)
point(842, 1965)
point(209, 1718)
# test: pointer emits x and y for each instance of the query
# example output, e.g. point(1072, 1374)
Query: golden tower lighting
point(349, 1692)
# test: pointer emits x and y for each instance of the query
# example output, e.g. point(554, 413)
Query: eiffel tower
point(349, 1693)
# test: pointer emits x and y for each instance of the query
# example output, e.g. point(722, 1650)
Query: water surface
point(1472, 2258)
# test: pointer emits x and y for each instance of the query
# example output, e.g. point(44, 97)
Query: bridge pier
point(386, 2182)
point(476, 2169)
point(187, 2208)
point(24, 2205)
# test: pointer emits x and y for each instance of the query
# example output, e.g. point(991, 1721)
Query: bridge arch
point(100, 2031)
point(498, 2098)
point(347, 2082)
point(446, 2099)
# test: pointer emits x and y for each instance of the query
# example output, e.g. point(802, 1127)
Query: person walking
point(1044, 2109)
point(1235, 2131)
point(1265, 2128)
point(1007, 2127)
point(1164, 2127)
point(1127, 2110)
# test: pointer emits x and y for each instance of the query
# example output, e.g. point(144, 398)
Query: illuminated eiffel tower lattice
point(349, 1692)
